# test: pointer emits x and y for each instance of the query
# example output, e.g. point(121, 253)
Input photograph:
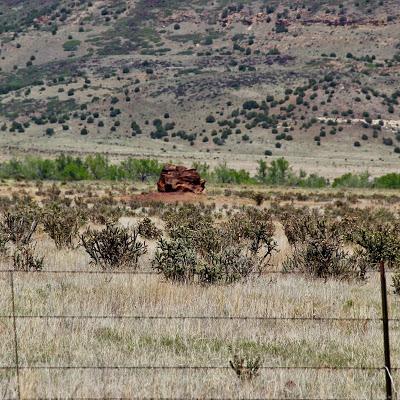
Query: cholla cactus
point(228, 265)
point(113, 247)
point(62, 224)
point(147, 229)
point(380, 241)
point(205, 250)
point(396, 283)
point(19, 225)
point(318, 248)
point(176, 260)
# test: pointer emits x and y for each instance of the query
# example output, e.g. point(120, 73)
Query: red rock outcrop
point(177, 178)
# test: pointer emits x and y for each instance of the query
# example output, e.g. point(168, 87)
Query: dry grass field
point(85, 332)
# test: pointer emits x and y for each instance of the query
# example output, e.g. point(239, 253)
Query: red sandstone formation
point(177, 178)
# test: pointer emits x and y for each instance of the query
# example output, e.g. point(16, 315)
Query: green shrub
point(313, 181)
point(379, 240)
point(223, 174)
point(104, 214)
point(71, 45)
point(277, 173)
point(49, 131)
point(353, 180)
point(396, 283)
point(388, 181)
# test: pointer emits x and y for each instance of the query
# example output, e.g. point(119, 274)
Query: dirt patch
point(154, 197)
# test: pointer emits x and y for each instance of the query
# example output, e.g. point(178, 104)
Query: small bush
point(113, 247)
point(147, 229)
point(361, 180)
point(175, 260)
point(24, 259)
point(318, 248)
point(71, 45)
point(18, 226)
point(388, 181)
point(3, 245)
point(387, 141)
point(254, 230)
point(396, 283)
point(104, 214)
point(246, 368)
point(380, 241)
point(49, 131)
point(228, 265)
point(325, 258)
point(62, 224)
point(259, 198)
point(205, 251)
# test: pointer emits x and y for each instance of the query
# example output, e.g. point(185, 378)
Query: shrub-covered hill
point(251, 77)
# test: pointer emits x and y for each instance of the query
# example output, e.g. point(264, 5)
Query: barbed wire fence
point(14, 316)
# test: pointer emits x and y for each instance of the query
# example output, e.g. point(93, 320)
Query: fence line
point(94, 272)
point(18, 367)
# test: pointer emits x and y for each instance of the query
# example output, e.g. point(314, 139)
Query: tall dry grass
point(196, 342)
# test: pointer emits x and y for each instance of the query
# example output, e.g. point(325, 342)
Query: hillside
point(314, 81)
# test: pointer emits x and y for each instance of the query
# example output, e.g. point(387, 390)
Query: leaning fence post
point(386, 342)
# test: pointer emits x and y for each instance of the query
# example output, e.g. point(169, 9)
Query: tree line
point(98, 167)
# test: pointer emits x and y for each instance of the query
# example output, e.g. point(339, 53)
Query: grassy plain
point(85, 339)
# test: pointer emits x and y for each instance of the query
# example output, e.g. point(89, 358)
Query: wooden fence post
point(386, 342)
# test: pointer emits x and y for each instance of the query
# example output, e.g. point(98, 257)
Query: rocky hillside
point(250, 79)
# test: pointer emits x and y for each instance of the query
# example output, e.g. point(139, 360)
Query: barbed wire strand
point(189, 398)
point(200, 317)
point(90, 272)
point(189, 367)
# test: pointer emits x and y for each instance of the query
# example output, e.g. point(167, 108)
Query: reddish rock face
point(176, 178)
